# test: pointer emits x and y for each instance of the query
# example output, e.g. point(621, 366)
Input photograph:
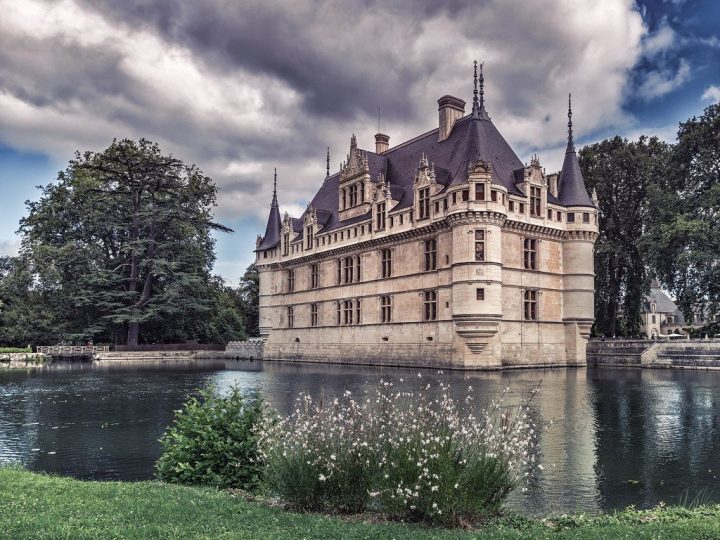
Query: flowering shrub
point(404, 454)
point(213, 441)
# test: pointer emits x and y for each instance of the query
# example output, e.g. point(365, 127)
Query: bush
point(4, 350)
point(406, 455)
point(213, 441)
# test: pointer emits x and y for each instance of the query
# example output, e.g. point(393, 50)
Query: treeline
point(120, 250)
point(659, 218)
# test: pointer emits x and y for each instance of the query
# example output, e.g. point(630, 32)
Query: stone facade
point(456, 269)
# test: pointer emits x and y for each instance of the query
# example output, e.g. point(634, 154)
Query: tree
point(28, 314)
point(125, 237)
point(683, 238)
point(249, 293)
point(621, 172)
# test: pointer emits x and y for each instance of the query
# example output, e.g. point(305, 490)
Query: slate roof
point(272, 231)
point(663, 303)
point(472, 138)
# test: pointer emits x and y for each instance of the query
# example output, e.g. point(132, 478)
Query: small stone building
point(660, 315)
point(444, 250)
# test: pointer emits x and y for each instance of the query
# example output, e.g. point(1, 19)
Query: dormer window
point(535, 200)
point(380, 217)
point(286, 244)
point(424, 203)
point(479, 192)
point(309, 236)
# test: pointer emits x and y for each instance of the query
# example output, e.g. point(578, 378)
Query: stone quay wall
point(680, 354)
point(23, 360)
point(245, 350)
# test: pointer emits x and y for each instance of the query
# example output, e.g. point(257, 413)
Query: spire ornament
point(478, 102)
point(327, 167)
point(274, 199)
point(571, 144)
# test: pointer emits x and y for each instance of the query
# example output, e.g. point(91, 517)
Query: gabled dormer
point(425, 186)
point(354, 186)
point(310, 226)
point(480, 179)
point(287, 234)
point(382, 202)
point(534, 185)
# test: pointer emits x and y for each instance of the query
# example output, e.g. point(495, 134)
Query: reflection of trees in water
point(657, 435)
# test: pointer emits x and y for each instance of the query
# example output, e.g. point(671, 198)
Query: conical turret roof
point(571, 188)
point(274, 224)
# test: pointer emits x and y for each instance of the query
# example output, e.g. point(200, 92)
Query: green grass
point(39, 506)
point(15, 350)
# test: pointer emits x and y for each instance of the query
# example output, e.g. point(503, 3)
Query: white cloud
point(9, 247)
point(660, 83)
point(72, 78)
point(712, 94)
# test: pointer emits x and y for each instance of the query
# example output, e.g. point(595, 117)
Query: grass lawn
point(39, 506)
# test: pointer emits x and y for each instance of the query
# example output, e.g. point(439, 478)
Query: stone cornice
point(534, 228)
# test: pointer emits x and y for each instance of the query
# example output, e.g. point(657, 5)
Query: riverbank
point(40, 506)
point(22, 360)
point(678, 354)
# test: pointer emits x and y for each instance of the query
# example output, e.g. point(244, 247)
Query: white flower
point(332, 456)
point(322, 478)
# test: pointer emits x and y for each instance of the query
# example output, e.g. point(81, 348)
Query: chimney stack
point(382, 143)
point(451, 109)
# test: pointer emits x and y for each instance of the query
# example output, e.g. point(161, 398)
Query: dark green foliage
point(213, 442)
point(123, 238)
point(249, 299)
point(622, 172)
point(683, 238)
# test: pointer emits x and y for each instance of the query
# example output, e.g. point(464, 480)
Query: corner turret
point(571, 190)
point(271, 238)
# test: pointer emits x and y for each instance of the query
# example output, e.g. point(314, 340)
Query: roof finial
point(274, 199)
point(476, 104)
point(327, 169)
point(571, 144)
point(482, 87)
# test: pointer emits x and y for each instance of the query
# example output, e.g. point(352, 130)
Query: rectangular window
point(445, 204)
point(480, 294)
point(571, 217)
point(559, 216)
point(286, 243)
point(530, 254)
point(385, 309)
point(291, 316)
point(535, 200)
point(437, 207)
point(479, 192)
point(511, 206)
point(530, 305)
point(380, 217)
point(357, 269)
point(314, 276)
point(353, 195)
point(549, 212)
point(339, 313)
point(357, 311)
point(586, 217)
point(493, 195)
point(344, 200)
point(430, 254)
point(291, 280)
point(424, 200)
point(339, 271)
point(309, 237)
point(430, 305)
point(347, 312)
point(465, 195)
point(347, 270)
point(386, 262)
point(522, 208)
point(401, 218)
point(479, 246)
point(454, 198)
point(313, 314)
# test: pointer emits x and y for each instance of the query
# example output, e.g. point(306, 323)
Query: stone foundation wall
point(247, 350)
point(23, 360)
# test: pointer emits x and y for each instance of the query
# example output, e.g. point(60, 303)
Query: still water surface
point(618, 436)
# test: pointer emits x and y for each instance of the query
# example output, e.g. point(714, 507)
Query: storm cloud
point(241, 87)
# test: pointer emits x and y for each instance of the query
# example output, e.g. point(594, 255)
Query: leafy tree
point(683, 238)
point(249, 292)
point(621, 172)
point(28, 314)
point(124, 236)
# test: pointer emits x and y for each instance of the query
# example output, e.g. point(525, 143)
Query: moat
point(618, 437)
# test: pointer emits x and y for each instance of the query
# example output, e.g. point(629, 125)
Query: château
point(443, 251)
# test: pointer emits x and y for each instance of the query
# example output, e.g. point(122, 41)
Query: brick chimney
point(382, 143)
point(451, 109)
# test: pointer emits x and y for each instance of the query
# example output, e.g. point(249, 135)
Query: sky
point(239, 88)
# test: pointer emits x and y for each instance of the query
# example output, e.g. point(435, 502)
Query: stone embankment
point(681, 354)
point(23, 360)
point(245, 350)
